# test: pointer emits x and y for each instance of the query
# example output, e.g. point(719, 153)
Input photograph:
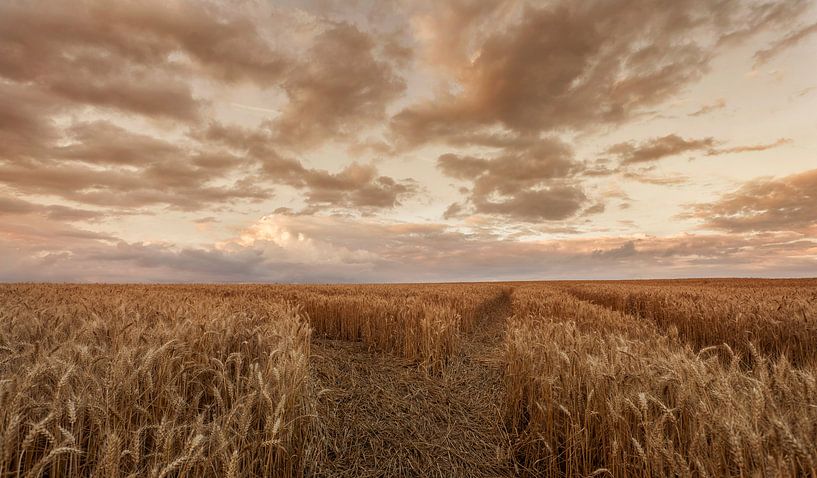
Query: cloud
point(25, 127)
point(356, 186)
point(789, 41)
point(764, 204)
point(14, 206)
point(805, 91)
point(32, 235)
point(549, 203)
point(672, 145)
point(161, 97)
point(67, 70)
point(758, 17)
point(328, 114)
point(718, 104)
point(102, 164)
point(597, 208)
point(339, 87)
point(453, 211)
point(102, 142)
point(447, 29)
point(657, 148)
point(65, 52)
point(337, 249)
point(644, 177)
point(548, 159)
point(46, 40)
point(180, 186)
point(11, 206)
point(624, 251)
point(572, 66)
point(750, 148)
point(527, 184)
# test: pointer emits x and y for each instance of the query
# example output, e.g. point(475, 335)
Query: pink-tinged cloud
point(312, 249)
point(765, 204)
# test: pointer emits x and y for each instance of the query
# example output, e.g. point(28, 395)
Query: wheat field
point(648, 378)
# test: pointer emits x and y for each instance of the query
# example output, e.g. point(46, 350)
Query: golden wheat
point(778, 320)
point(639, 403)
point(105, 386)
point(683, 378)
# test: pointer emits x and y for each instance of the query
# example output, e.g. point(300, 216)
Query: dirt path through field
point(384, 417)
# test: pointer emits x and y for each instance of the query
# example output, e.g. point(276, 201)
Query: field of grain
point(645, 378)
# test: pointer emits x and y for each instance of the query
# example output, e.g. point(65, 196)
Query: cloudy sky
point(407, 140)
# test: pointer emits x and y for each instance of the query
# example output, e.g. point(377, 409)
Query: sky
point(407, 140)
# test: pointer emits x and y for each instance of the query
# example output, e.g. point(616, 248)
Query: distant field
point(704, 377)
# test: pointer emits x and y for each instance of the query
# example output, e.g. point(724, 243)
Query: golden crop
point(682, 378)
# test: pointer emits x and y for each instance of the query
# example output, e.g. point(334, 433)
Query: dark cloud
point(60, 62)
point(177, 185)
point(103, 164)
point(152, 97)
point(454, 210)
point(90, 53)
point(528, 184)
point(10, 206)
point(623, 251)
point(765, 204)
point(206, 263)
point(356, 186)
point(102, 142)
point(142, 57)
point(576, 65)
point(547, 160)
point(45, 40)
point(338, 88)
point(549, 203)
point(25, 124)
point(518, 70)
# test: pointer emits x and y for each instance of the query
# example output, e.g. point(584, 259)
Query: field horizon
point(781, 279)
